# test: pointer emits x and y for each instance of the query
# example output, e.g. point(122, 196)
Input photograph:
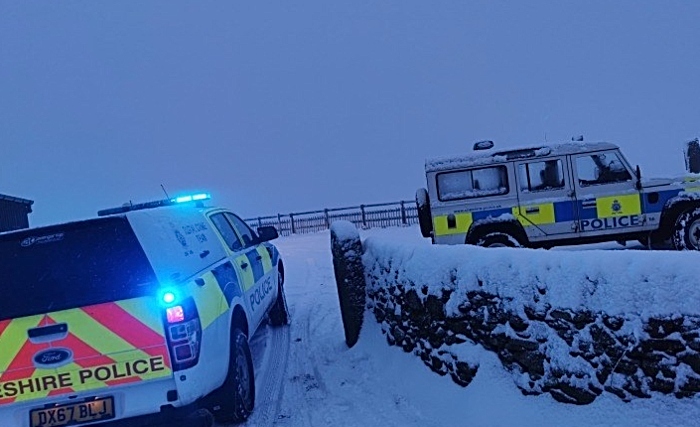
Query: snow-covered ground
point(307, 377)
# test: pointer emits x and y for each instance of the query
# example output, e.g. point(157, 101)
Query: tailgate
point(81, 349)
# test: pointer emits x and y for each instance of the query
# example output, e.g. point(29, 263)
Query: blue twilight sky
point(279, 106)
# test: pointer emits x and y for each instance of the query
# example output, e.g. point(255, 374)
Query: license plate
point(73, 413)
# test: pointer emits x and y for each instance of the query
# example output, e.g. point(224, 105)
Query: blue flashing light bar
point(199, 197)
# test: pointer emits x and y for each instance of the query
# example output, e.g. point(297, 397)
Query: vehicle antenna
point(166, 193)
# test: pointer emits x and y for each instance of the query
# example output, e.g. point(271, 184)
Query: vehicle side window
point(541, 176)
point(247, 234)
point(226, 231)
point(490, 181)
point(601, 168)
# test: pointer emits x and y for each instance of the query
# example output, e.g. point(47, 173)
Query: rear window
point(466, 184)
point(71, 265)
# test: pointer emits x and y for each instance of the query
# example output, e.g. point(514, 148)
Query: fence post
point(291, 216)
point(328, 221)
point(259, 222)
point(403, 213)
point(364, 217)
point(279, 224)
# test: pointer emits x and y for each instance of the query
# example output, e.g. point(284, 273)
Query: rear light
point(184, 334)
point(175, 314)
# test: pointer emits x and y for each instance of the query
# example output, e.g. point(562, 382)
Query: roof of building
point(16, 199)
point(494, 155)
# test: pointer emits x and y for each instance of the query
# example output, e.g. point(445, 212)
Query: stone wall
point(573, 354)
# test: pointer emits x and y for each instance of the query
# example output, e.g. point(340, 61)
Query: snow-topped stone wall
point(573, 324)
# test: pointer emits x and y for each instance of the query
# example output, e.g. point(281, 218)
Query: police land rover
point(137, 317)
point(544, 196)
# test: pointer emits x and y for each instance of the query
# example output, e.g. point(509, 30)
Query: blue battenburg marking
point(228, 281)
point(664, 197)
point(256, 264)
point(587, 213)
point(564, 211)
point(275, 254)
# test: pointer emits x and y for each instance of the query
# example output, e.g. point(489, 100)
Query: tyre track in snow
point(327, 383)
point(305, 374)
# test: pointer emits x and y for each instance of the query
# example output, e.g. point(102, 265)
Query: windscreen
point(71, 265)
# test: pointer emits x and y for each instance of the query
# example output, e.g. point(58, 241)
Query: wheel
point(234, 401)
point(498, 240)
point(686, 232)
point(425, 219)
point(279, 313)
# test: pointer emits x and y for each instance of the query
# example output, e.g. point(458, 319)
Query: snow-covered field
point(306, 376)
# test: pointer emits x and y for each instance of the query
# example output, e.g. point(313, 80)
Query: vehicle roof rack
point(198, 199)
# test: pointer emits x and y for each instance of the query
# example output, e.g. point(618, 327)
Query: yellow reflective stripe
point(462, 223)
point(266, 260)
point(540, 214)
point(14, 337)
point(144, 312)
point(210, 299)
point(621, 205)
point(247, 277)
point(95, 335)
point(692, 189)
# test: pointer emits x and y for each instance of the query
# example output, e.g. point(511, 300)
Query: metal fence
point(363, 216)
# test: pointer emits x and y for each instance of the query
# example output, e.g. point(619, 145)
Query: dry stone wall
point(574, 354)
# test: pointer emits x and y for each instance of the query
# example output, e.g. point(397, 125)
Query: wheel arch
point(239, 320)
point(510, 227)
point(672, 210)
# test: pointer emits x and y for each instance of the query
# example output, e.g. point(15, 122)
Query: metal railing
point(363, 216)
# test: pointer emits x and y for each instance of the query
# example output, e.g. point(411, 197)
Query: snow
point(306, 376)
point(614, 282)
point(344, 230)
point(494, 155)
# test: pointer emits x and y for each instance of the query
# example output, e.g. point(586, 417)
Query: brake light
point(184, 334)
point(175, 314)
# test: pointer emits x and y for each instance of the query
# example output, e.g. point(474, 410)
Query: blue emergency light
point(198, 197)
point(168, 296)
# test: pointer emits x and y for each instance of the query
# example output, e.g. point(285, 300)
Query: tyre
point(686, 232)
point(498, 240)
point(234, 401)
point(425, 219)
point(279, 313)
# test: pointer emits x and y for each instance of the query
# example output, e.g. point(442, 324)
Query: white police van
point(139, 317)
point(564, 194)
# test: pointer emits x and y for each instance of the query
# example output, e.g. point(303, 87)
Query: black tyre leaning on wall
point(349, 278)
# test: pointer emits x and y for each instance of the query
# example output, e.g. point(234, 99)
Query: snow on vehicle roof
point(494, 155)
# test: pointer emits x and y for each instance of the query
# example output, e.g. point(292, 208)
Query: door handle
point(532, 210)
point(41, 334)
point(244, 265)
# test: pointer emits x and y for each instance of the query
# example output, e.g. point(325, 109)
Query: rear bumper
point(186, 416)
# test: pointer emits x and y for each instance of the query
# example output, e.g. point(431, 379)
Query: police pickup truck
point(138, 317)
point(544, 196)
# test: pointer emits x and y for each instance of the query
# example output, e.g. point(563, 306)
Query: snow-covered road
point(307, 377)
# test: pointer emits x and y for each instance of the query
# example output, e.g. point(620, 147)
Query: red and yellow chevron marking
point(112, 344)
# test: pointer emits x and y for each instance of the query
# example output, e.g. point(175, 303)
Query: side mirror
point(638, 174)
point(267, 233)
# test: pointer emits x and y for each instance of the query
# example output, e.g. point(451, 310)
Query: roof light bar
point(199, 197)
